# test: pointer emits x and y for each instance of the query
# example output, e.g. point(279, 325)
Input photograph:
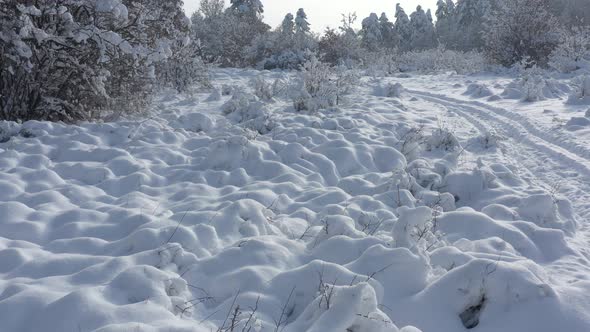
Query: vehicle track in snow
point(549, 162)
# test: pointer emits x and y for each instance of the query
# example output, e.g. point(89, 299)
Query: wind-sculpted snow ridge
point(236, 214)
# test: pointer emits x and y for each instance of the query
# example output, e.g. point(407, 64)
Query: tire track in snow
point(548, 163)
point(569, 148)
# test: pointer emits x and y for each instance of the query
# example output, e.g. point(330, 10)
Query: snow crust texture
point(225, 212)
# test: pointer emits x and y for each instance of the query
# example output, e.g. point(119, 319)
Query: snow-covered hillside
point(431, 203)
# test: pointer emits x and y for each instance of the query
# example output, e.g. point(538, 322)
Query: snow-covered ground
point(443, 203)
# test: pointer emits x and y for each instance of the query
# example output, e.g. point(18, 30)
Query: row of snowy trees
point(81, 59)
point(507, 30)
point(71, 60)
point(237, 36)
point(233, 41)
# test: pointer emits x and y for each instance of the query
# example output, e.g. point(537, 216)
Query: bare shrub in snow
point(417, 229)
point(411, 141)
point(442, 138)
point(490, 139)
point(262, 89)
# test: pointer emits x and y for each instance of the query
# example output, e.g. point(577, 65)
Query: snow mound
point(477, 90)
point(389, 90)
point(532, 88)
point(328, 221)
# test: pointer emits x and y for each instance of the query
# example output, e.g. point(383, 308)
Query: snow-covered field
point(445, 203)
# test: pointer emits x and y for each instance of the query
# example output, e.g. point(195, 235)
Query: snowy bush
point(183, 70)
point(489, 139)
point(478, 90)
point(248, 111)
point(267, 90)
point(521, 29)
point(72, 60)
point(262, 89)
point(322, 86)
point(581, 94)
point(573, 52)
point(443, 139)
point(531, 84)
point(532, 87)
point(316, 90)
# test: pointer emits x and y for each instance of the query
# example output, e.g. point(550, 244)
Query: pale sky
point(323, 13)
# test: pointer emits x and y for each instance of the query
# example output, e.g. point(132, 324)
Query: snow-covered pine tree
point(471, 16)
point(446, 29)
point(371, 37)
point(329, 46)
point(390, 39)
point(248, 8)
point(288, 26)
point(441, 10)
point(301, 23)
point(423, 36)
point(431, 29)
point(303, 38)
point(521, 30)
point(287, 47)
point(403, 28)
point(451, 8)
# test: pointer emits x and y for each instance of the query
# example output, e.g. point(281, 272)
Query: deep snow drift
point(421, 204)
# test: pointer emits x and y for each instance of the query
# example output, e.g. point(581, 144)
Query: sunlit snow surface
point(398, 209)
